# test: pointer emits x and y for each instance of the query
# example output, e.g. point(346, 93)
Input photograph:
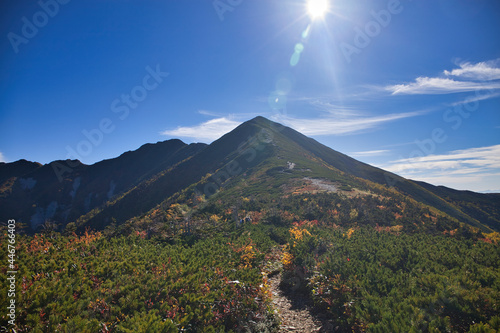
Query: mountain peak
point(258, 157)
point(263, 121)
point(258, 119)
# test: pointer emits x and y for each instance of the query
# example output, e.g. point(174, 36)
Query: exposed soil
point(322, 184)
point(316, 185)
point(295, 311)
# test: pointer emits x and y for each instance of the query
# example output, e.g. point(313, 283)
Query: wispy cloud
point(2, 158)
point(482, 71)
point(369, 153)
point(475, 168)
point(208, 113)
point(342, 125)
point(337, 120)
point(436, 85)
point(469, 77)
point(206, 131)
point(339, 111)
point(477, 98)
point(485, 157)
point(491, 191)
point(477, 183)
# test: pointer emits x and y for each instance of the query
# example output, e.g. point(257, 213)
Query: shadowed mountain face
point(62, 191)
point(259, 156)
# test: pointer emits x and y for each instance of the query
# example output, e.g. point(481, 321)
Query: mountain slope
point(221, 154)
point(62, 191)
point(257, 159)
point(262, 157)
point(480, 206)
point(427, 195)
point(16, 169)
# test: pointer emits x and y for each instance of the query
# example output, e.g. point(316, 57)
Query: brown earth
point(295, 311)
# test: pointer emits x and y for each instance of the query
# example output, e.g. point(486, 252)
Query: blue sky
point(409, 86)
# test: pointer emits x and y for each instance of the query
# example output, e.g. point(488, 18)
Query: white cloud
point(2, 158)
point(482, 71)
point(369, 153)
point(208, 113)
point(483, 156)
point(478, 183)
point(208, 131)
point(475, 169)
point(436, 85)
point(339, 111)
point(491, 191)
point(477, 98)
point(337, 121)
point(341, 125)
point(466, 78)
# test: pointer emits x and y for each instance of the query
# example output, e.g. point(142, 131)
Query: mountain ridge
point(259, 156)
point(64, 190)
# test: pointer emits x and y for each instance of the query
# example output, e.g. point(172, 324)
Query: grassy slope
point(351, 166)
point(483, 207)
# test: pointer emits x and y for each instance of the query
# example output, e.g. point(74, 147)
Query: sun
point(317, 8)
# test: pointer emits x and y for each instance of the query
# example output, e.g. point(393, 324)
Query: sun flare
point(317, 8)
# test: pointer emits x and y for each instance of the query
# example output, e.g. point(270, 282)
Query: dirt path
point(294, 312)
